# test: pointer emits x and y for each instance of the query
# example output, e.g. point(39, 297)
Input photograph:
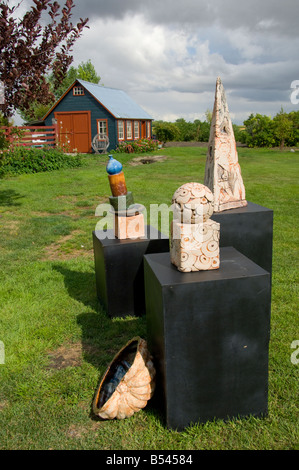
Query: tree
point(29, 49)
point(186, 130)
point(283, 127)
point(84, 71)
point(37, 110)
point(209, 115)
point(258, 131)
point(166, 131)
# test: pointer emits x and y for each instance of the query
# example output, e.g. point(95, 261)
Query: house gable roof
point(117, 102)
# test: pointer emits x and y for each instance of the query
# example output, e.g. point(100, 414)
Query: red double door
point(74, 130)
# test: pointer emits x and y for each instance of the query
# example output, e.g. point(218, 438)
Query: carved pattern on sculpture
point(194, 236)
point(223, 172)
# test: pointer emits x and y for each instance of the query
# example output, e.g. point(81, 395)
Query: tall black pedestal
point(209, 335)
point(119, 270)
point(250, 230)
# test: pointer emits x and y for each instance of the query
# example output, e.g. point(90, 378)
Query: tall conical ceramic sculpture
point(128, 219)
point(222, 172)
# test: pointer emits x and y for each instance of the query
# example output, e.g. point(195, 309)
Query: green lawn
point(58, 340)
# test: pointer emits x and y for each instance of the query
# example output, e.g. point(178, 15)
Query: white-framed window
point(136, 130)
point(78, 91)
point(149, 133)
point(102, 125)
point(129, 130)
point(121, 130)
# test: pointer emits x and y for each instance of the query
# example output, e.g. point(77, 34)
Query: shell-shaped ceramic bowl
point(127, 384)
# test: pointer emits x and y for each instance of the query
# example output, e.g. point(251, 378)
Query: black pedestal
point(250, 230)
point(119, 270)
point(209, 335)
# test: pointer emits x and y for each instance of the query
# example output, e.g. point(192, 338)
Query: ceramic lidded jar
point(193, 203)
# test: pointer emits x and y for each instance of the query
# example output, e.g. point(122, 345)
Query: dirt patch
point(70, 214)
point(3, 405)
point(76, 432)
point(70, 355)
point(11, 227)
point(66, 356)
point(61, 251)
point(148, 159)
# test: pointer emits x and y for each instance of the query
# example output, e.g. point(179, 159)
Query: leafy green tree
point(209, 115)
point(85, 71)
point(187, 130)
point(283, 128)
point(37, 110)
point(203, 131)
point(294, 117)
point(166, 131)
point(259, 131)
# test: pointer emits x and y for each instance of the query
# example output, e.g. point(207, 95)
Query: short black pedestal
point(209, 335)
point(119, 270)
point(250, 230)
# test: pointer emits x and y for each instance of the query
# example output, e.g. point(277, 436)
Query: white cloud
point(171, 71)
point(167, 54)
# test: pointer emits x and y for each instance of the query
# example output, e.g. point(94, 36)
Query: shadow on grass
point(10, 197)
point(102, 336)
point(80, 286)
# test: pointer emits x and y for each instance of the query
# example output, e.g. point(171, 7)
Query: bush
point(17, 160)
point(166, 131)
point(138, 146)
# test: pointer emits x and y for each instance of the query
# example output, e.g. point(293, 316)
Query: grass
point(58, 339)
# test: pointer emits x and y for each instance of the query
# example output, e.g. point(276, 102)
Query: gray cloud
point(268, 16)
point(167, 54)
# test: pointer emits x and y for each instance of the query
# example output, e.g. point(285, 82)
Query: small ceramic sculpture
point(222, 172)
point(194, 244)
point(128, 219)
point(127, 384)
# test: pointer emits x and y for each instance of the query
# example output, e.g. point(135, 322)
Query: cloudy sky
point(167, 54)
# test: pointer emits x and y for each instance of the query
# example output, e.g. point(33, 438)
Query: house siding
point(76, 103)
point(87, 102)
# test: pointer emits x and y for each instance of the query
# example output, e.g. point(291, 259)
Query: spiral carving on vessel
point(194, 236)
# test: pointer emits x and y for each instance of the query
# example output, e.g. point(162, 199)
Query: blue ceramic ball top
point(113, 166)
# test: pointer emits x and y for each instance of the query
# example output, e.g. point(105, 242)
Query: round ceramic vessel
point(113, 166)
point(193, 203)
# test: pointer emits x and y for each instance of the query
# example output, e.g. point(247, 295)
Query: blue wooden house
point(87, 109)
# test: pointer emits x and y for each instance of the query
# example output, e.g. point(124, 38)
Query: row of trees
point(264, 131)
point(183, 131)
point(258, 130)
